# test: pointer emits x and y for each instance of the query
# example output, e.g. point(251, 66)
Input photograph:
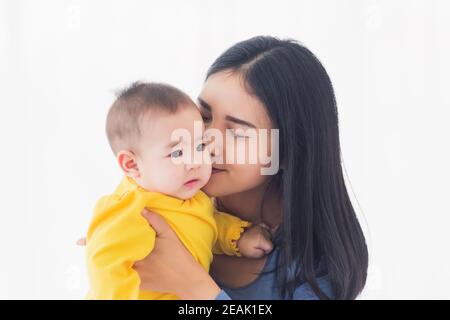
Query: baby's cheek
point(246, 177)
point(171, 177)
point(158, 177)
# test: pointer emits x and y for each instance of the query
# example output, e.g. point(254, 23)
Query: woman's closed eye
point(205, 110)
point(206, 118)
point(237, 133)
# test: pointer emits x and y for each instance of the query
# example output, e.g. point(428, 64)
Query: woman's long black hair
point(318, 218)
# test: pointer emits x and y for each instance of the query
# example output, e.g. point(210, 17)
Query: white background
point(60, 62)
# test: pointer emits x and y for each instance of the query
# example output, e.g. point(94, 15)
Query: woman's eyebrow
point(205, 105)
point(240, 121)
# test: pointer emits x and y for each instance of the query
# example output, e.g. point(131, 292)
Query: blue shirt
point(263, 287)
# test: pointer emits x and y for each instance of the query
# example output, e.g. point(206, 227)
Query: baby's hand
point(255, 242)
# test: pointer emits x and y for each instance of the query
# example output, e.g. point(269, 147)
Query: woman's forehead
point(225, 93)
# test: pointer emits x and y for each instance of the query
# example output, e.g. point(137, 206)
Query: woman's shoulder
point(305, 292)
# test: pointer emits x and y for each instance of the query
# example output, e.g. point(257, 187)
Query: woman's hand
point(171, 268)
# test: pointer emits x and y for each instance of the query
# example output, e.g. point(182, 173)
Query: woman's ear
point(128, 163)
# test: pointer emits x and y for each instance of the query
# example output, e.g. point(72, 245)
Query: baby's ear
point(128, 163)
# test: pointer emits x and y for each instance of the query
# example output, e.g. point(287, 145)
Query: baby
point(161, 175)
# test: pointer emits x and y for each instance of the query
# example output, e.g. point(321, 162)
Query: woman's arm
point(171, 268)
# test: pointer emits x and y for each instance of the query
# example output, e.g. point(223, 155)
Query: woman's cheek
point(238, 178)
point(246, 176)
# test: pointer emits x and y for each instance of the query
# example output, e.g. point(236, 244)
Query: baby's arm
point(117, 238)
point(240, 238)
point(229, 230)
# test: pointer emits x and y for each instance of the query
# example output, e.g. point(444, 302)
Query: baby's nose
point(192, 165)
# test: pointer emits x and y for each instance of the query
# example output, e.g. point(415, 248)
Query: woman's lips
point(216, 170)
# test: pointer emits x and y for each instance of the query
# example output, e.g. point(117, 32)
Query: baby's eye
point(201, 147)
point(176, 154)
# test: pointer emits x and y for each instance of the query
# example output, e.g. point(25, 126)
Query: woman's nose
point(215, 146)
point(211, 147)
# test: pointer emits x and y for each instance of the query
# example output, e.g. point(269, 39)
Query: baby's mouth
point(192, 183)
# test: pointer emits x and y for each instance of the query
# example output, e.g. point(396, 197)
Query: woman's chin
point(208, 190)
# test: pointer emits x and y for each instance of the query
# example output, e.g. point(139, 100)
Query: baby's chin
point(188, 194)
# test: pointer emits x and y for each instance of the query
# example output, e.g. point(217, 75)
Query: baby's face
point(178, 169)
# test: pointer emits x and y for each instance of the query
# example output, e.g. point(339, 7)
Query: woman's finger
point(160, 226)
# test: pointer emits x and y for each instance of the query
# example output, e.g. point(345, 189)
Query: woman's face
point(225, 104)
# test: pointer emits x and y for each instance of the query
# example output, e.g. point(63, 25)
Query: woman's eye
point(236, 134)
point(201, 147)
point(176, 154)
point(206, 119)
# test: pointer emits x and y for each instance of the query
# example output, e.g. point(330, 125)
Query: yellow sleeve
point(118, 237)
point(229, 230)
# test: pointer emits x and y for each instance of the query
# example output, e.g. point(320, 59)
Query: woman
point(319, 247)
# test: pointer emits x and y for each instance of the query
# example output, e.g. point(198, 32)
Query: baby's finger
point(271, 230)
point(266, 234)
point(258, 253)
point(266, 246)
point(263, 225)
point(81, 242)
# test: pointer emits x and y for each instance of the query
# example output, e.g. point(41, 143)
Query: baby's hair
point(123, 123)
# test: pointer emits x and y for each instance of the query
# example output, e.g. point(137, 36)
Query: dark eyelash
point(237, 135)
point(205, 118)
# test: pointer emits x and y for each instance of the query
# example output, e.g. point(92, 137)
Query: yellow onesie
point(119, 236)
